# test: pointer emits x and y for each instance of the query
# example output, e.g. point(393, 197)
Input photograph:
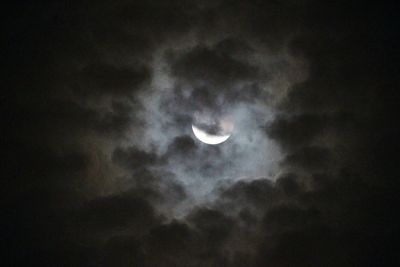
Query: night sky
point(101, 167)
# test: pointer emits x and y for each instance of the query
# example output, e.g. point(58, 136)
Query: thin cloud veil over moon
point(172, 133)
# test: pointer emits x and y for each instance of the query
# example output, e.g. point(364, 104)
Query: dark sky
point(101, 167)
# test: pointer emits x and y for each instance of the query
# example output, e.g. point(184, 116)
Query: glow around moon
point(209, 138)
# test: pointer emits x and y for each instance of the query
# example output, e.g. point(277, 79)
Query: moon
point(209, 138)
point(212, 130)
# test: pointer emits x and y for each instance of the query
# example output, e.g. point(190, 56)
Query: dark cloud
point(103, 79)
point(215, 226)
point(289, 183)
point(298, 130)
point(101, 168)
point(214, 66)
point(182, 145)
point(310, 158)
point(256, 193)
point(113, 213)
point(133, 158)
point(217, 75)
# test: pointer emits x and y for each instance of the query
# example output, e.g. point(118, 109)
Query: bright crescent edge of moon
point(209, 138)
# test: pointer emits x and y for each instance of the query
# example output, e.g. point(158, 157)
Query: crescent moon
point(209, 138)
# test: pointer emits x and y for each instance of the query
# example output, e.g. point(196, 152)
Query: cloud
point(106, 79)
point(102, 168)
point(214, 66)
point(120, 212)
point(133, 158)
